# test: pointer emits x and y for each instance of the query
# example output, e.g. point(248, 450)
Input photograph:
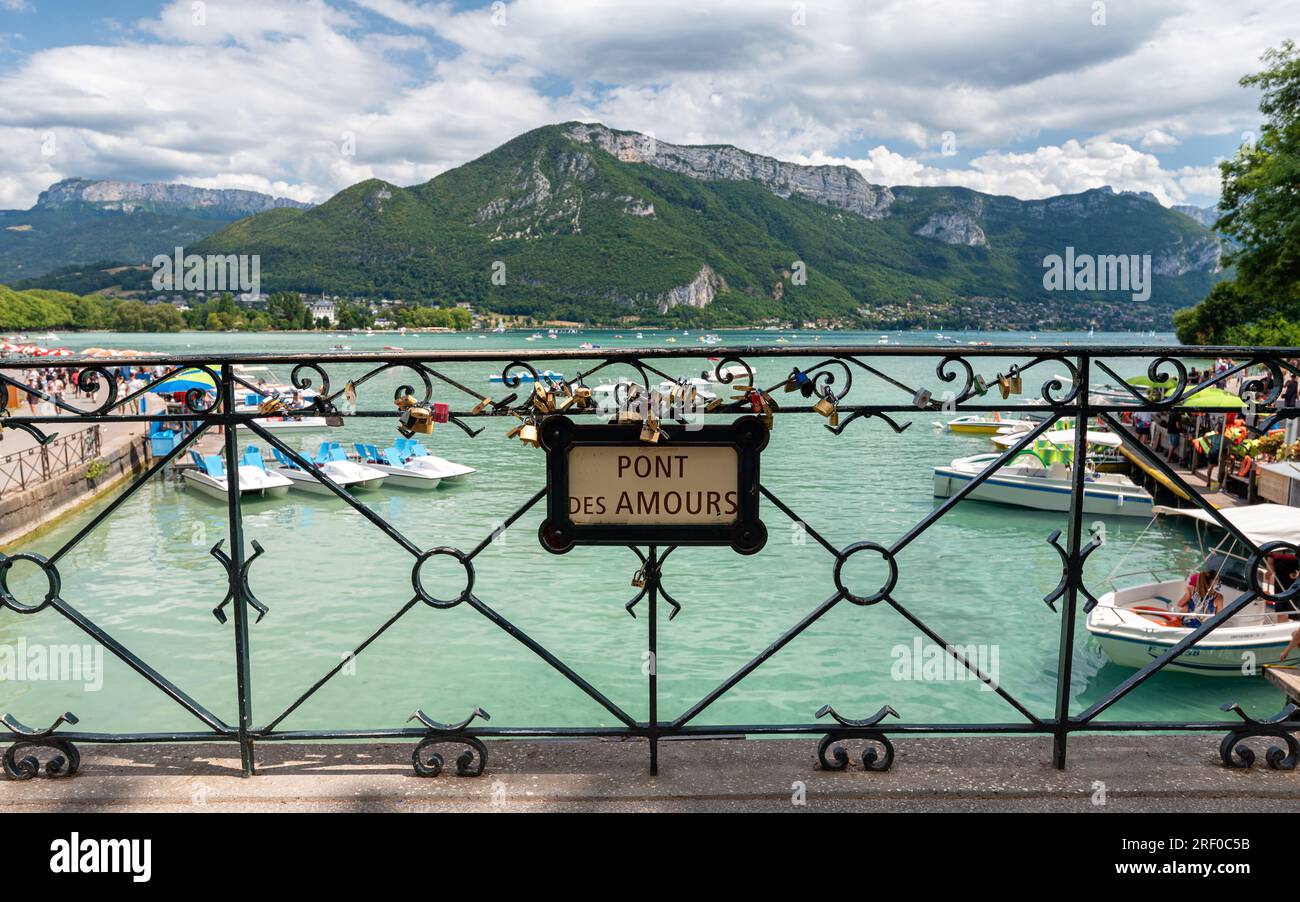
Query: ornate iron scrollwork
point(1071, 569)
point(226, 562)
point(20, 766)
point(470, 763)
point(857, 730)
point(1233, 745)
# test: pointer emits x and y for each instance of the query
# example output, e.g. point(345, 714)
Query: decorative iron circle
point(7, 598)
point(889, 583)
point(1255, 564)
point(424, 594)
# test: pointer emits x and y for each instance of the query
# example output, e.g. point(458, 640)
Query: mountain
point(585, 223)
point(80, 220)
point(1206, 216)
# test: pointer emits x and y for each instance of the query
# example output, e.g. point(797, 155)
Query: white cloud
point(265, 93)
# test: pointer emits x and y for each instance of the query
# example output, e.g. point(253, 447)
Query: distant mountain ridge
point(582, 222)
point(131, 197)
point(80, 220)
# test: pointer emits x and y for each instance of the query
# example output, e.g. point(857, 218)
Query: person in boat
point(1201, 597)
point(1294, 644)
point(1283, 569)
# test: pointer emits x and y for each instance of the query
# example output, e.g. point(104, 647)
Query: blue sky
point(304, 97)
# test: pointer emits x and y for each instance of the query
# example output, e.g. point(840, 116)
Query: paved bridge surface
point(1138, 773)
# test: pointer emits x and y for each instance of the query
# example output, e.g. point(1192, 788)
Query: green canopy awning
point(1213, 398)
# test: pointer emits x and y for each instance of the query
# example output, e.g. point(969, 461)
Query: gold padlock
point(1004, 386)
point(481, 406)
point(528, 434)
point(543, 399)
point(650, 431)
point(638, 578)
point(271, 407)
point(628, 415)
point(1015, 381)
point(415, 419)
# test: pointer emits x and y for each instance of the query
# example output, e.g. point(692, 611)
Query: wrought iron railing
point(42, 462)
point(820, 383)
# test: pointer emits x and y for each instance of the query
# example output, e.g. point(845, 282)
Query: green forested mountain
point(584, 223)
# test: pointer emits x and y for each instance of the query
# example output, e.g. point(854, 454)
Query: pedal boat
point(332, 462)
point(209, 477)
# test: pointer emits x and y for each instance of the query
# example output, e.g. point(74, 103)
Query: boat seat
point(198, 462)
point(284, 460)
point(253, 458)
point(392, 457)
point(214, 467)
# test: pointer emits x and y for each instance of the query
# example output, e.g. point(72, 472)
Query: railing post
point(1065, 652)
point(239, 600)
point(652, 584)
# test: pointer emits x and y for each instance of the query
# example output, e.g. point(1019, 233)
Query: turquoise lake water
point(330, 578)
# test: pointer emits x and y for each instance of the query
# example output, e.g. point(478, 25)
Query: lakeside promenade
point(1107, 773)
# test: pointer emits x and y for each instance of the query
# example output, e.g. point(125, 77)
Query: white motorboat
point(1030, 481)
point(524, 376)
point(331, 462)
point(209, 476)
point(1137, 624)
point(976, 424)
point(290, 424)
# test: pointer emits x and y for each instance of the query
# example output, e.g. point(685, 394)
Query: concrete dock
point(1124, 773)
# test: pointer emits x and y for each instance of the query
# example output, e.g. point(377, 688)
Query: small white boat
point(209, 476)
point(976, 424)
point(1027, 481)
point(1136, 624)
point(331, 462)
point(291, 424)
point(525, 376)
point(409, 464)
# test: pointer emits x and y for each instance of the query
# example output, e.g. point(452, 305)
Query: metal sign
point(697, 487)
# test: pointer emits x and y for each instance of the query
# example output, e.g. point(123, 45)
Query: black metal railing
point(24, 469)
point(819, 387)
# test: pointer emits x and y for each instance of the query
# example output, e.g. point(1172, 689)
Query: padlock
point(528, 434)
point(1004, 386)
point(797, 380)
point(413, 420)
point(543, 399)
point(271, 407)
point(482, 405)
point(404, 402)
point(1016, 385)
point(922, 398)
point(441, 412)
point(515, 431)
point(756, 400)
point(650, 431)
point(638, 578)
point(981, 387)
point(825, 405)
point(582, 397)
point(712, 405)
point(350, 396)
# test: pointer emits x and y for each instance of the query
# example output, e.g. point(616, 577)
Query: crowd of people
point(60, 384)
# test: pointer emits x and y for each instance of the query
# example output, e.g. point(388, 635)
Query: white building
point(323, 308)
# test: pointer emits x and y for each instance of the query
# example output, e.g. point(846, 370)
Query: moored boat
point(1028, 481)
point(1138, 623)
point(333, 463)
point(209, 476)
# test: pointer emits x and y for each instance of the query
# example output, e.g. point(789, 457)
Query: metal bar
point(542, 652)
point(652, 585)
point(384, 526)
point(339, 666)
point(126, 493)
point(797, 519)
point(239, 601)
point(808, 620)
point(1065, 650)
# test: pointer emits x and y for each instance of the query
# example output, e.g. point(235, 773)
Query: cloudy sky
point(304, 97)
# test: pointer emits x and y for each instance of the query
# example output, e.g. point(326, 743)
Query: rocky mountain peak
point(832, 186)
point(129, 197)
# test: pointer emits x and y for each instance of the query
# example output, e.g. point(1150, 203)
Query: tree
point(1261, 213)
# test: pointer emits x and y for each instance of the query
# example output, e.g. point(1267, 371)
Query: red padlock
point(441, 412)
point(755, 401)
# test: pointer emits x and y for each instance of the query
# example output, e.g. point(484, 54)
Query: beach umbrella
point(1214, 398)
point(184, 381)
